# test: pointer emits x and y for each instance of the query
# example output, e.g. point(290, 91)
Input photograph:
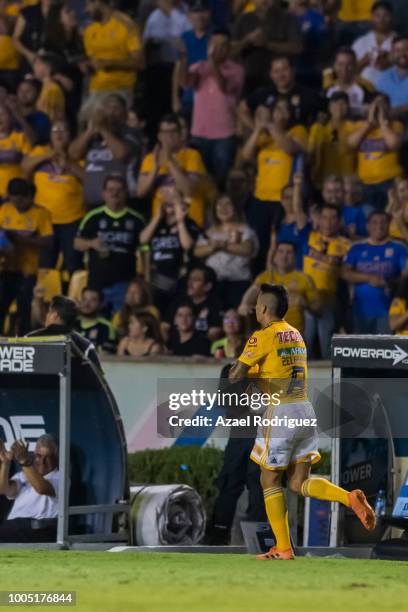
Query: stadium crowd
point(161, 159)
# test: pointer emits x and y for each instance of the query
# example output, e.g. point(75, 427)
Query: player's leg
point(299, 482)
point(277, 512)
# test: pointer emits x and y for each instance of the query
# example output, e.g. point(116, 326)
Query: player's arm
point(238, 371)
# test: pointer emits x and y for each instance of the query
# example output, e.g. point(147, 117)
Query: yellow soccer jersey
point(355, 10)
point(330, 155)
point(12, 149)
point(399, 307)
point(275, 165)
point(191, 163)
point(322, 262)
point(61, 194)
point(278, 359)
point(375, 162)
point(34, 222)
point(114, 40)
point(301, 290)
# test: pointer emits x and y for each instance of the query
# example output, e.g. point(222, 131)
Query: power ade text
point(17, 359)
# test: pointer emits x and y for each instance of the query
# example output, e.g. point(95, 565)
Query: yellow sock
point(277, 512)
point(320, 488)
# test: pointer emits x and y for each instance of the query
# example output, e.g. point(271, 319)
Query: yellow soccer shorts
point(286, 434)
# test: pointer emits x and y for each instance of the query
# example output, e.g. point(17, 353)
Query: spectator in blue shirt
point(371, 267)
point(194, 49)
point(28, 92)
point(354, 219)
point(294, 227)
point(336, 193)
point(394, 81)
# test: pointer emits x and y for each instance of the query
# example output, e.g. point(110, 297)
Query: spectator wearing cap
point(113, 48)
point(377, 141)
point(373, 50)
point(343, 76)
point(394, 81)
point(29, 229)
point(327, 145)
point(193, 48)
point(51, 100)
point(217, 84)
point(267, 30)
point(304, 102)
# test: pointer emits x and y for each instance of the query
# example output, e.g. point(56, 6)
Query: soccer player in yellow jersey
point(301, 289)
point(277, 353)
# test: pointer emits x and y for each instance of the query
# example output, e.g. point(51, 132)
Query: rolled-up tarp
point(166, 515)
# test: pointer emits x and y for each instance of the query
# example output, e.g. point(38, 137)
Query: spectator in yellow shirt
point(397, 208)
point(9, 57)
point(398, 313)
point(322, 261)
point(58, 180)
point(113, 47)
point(13, 145)
point(275, 143)
point(377, 141)
point(52, 99)
point(329, 152)
point(282, 271)
point(29, 229)
point(171, 163)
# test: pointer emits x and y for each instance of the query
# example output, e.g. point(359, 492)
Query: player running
point(276, 356)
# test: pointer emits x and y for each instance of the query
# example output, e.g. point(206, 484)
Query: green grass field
point(118, 582)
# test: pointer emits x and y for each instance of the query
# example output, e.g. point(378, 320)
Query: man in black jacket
point(60, 320)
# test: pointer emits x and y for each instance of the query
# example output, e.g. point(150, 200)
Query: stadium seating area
point(161, 159)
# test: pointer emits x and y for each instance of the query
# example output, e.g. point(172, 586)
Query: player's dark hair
point(66, 309)
point(21, 187)
point(281, 295)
